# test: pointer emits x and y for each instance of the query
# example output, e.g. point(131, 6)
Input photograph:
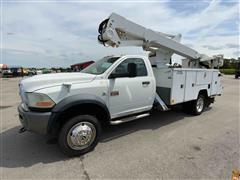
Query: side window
point(122, 68)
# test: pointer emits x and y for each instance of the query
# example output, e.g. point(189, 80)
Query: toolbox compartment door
point(178, 87)
point(204, 77)
point(215, 86)
point(190, 89)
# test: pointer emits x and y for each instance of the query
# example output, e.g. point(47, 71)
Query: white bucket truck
point(74, 106)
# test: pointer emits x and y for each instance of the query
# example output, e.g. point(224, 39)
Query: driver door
point(129, 95)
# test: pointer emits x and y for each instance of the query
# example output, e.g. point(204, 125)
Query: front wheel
point(79, 135)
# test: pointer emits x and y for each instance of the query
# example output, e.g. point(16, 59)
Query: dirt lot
point(166, 145)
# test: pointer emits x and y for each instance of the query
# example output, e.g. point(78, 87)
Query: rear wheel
point(195, 107)
point(79, 135)
point(198, 105)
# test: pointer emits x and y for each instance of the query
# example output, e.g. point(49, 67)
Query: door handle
point(145, 82)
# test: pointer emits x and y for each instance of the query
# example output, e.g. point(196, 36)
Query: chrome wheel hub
point(200, 104)
point(81, 135)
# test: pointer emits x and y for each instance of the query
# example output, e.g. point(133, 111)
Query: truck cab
point(112, 88)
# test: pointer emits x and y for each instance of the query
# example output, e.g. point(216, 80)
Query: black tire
point(64, 134)
point(194, 105)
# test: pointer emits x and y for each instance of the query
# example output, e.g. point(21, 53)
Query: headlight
point(37, 100)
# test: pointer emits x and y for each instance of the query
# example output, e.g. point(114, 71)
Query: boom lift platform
point(174, 85)
point(116, 31)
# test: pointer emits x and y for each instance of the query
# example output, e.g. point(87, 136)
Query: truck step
point(127, 119)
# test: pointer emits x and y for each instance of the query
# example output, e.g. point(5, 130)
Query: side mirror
point(132, 70)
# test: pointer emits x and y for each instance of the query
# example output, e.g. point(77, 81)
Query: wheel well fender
point(203, 92)
point(76, 105)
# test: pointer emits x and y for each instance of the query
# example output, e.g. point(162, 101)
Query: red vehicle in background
point(80, 66)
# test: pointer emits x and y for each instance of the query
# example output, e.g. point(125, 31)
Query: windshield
point(100, 66)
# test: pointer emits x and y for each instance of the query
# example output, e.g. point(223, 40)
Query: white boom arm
point(117, 31)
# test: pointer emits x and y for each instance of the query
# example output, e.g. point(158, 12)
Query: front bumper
point(34, 121)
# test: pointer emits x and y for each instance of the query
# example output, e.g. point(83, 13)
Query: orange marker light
point(44, 104)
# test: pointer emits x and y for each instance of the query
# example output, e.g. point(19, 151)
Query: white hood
point(46, 80)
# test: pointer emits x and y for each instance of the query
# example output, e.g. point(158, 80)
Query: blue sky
point(60, 33)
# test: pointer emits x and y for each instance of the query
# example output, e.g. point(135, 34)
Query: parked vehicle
point(39, 72)
point(237, 70)
point(17, 71)
point(46, 71)
point(74, 106)
point(31, 72)
point(14, 71)
point(80, 66)
point(116, 89)
point(7, 73)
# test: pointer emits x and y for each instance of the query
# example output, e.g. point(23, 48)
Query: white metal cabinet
point(178, 86)
point(185, 84)
point(190, 87)
point(215, 85)
point(204, 77)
